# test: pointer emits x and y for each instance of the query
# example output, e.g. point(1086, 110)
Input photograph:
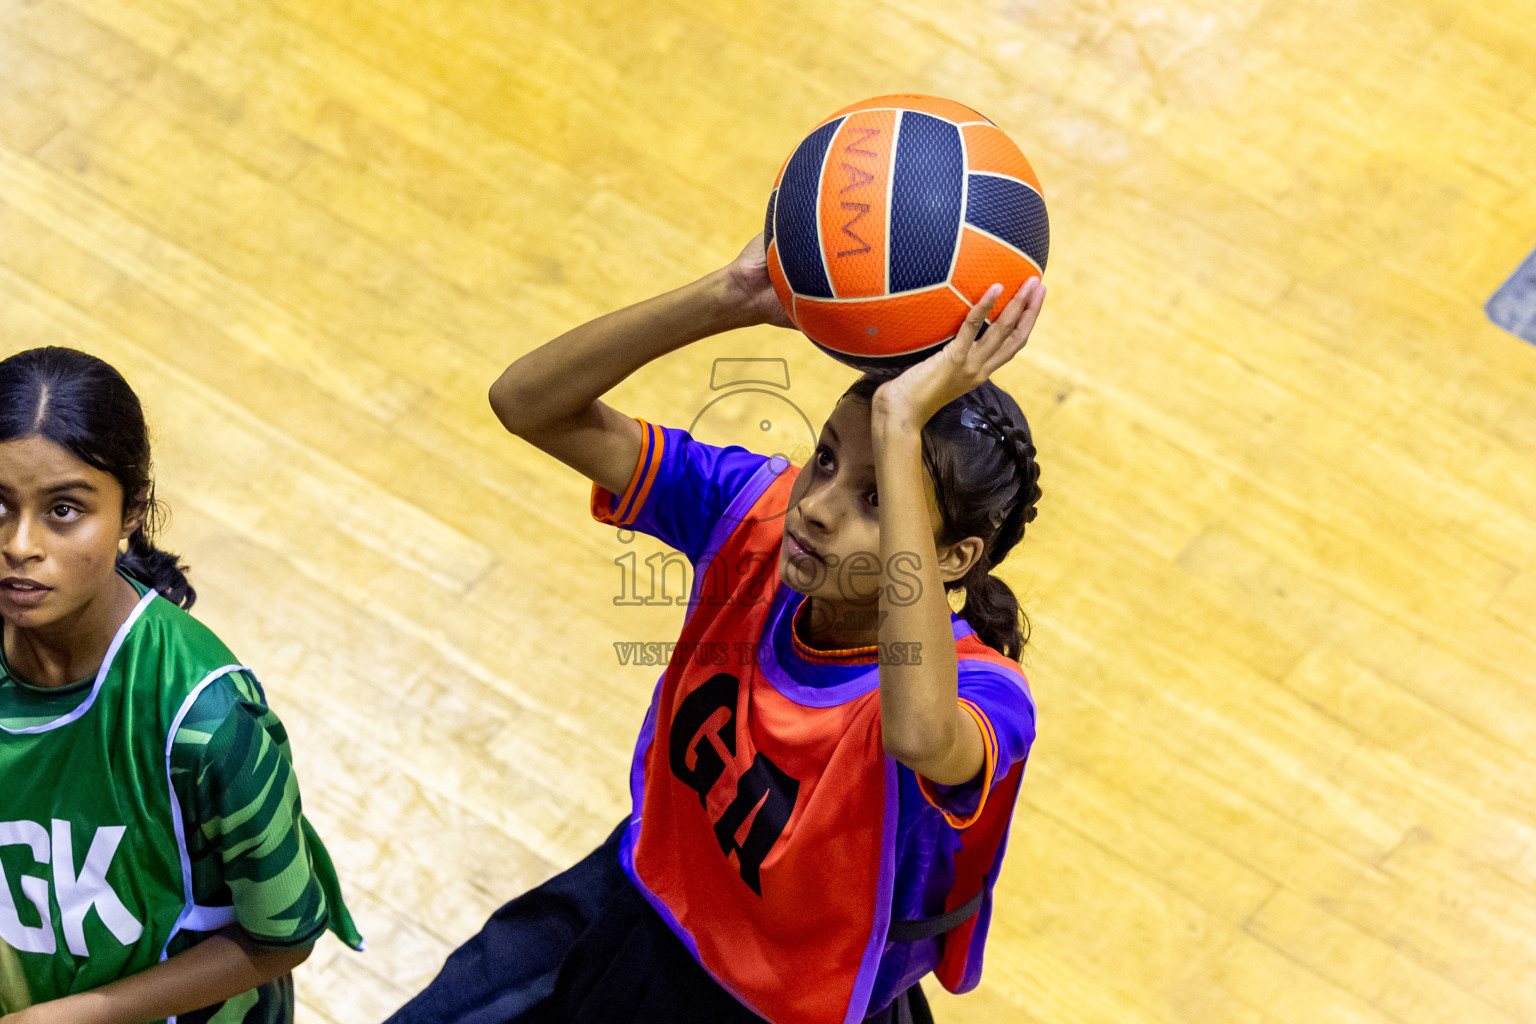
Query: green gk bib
point(94, 873)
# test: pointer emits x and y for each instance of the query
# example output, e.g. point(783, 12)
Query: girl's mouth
point(798, 550)
point(23, 592)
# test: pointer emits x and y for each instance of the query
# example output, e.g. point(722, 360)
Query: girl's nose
point(816, 507)
point(18, 541)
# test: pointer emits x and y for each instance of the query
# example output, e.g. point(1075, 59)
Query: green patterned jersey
point(149, 806)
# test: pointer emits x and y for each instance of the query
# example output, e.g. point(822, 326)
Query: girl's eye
point(874, 499)
point(823, 456)
point(65, 511)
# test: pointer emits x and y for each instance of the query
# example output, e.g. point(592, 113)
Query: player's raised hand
point(968, 360)
point(750, 289)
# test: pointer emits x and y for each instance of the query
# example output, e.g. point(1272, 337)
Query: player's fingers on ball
point(1016, 342)
point(1014, 326)
point(1001, 331)
point(1004, 352)
point(1019, 318)
point(1020, 298)
point(1003, 326)
point(977, 351)
point(996, 340)
point(1018, 306)
point(1031, 311)
point(978, 314)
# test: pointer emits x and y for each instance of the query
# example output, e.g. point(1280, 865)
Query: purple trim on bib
point(637, 762)
point(782, 681)
point(874, 952)
point(731, 518)
point(973, 957)
point(631, 837)
point(963, 629)
point(821, 696)
point(1014, 680)
point(627, 862)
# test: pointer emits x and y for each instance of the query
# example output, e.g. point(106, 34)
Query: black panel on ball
point(798, 217)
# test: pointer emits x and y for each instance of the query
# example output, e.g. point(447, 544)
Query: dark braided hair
point(979, 451)
point(84, 406)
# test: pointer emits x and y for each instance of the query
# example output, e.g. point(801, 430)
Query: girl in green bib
point(155, 864)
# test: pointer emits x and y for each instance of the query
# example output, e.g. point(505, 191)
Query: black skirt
point(586, 948)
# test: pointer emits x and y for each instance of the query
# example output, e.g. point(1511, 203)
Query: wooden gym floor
point(1283, 581)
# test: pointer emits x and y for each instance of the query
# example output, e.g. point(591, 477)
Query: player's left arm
point(923, 723)
point(220, 967)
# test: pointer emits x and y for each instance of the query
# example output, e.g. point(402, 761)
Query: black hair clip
point(973, 418)
point(978, 420)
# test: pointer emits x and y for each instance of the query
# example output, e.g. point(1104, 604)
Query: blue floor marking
point(1513, 306)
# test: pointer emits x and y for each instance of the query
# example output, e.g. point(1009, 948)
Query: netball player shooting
point(815, 827)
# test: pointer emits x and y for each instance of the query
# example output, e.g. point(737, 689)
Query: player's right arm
point(551, 396)
point(220, 967)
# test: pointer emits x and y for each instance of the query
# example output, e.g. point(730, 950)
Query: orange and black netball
point(891, 220)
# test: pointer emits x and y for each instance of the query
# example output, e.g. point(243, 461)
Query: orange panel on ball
point(780, 283)
point(984, 261)
point(883, 327)
point(988, 149)
point(947, 109)
point(854, 183)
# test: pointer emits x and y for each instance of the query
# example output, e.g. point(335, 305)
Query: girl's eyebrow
point(70, 485)
point(53, 490)
point(828, 428)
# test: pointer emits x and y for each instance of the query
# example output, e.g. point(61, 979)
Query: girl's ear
point(134, 515)
point(955, 560)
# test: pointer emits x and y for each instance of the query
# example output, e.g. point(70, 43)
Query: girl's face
point(831, 546)
point(60, 524)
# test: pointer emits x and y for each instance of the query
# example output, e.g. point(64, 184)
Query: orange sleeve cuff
point(622, 510)
point(989, 766)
